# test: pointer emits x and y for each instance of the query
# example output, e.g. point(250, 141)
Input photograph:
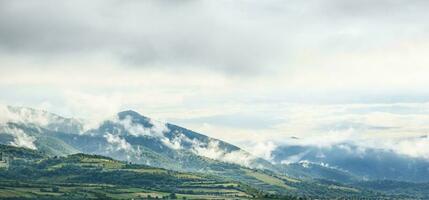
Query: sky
point(254, 73)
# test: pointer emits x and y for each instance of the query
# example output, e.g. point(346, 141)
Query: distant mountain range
point(31, 174)
point(297, 170)
point(365, 163)
point(128, 136)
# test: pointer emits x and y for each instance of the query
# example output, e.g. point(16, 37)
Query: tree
point(173, 196)
point(55, 189)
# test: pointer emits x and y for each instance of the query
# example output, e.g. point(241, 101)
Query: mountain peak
point(131, 113)
point(135, 117)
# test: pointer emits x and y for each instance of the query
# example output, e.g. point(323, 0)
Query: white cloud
point(399, 125)
point(263, 149)
point(157, 130)
point(213, 151)
point(21, 139)
point(95, 108)
point(25, 115)
point(115, 61)
point(135, 129)
point(186, 60)
point(175, 143)
point(118, 142)
point(38, 118)
point(417, 147)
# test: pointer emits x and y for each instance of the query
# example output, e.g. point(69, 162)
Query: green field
point(269, 179)
point(33, 175)
point(81, 176)
point(39, 190)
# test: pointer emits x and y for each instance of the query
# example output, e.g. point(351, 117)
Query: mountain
point(32, 175)
point(41, 118)
point(127, 136)
point(138, 139)
point(133, 139)
point(363, 163)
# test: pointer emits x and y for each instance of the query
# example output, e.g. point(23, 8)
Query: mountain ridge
point(135, 138)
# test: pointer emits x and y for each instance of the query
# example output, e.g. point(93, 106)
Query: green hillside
point(143, 162)
point(31, 174)
point(77, 176)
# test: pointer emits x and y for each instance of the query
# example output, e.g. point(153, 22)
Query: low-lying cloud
point(118, 142)
point(212, 150)
point(20, 138)
point(179, 141)
point(402, 128)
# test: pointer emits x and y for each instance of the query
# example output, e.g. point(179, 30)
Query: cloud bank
point(323, 71)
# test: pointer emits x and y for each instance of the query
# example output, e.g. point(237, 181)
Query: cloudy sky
point(251, 72)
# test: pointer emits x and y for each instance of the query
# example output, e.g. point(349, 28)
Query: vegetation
point(33, 175)
point(81, 176)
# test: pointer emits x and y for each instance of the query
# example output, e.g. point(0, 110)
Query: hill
point(80, 176)
point(34, 175)
point(124, 145)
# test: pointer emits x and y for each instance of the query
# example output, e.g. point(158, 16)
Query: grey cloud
point(137, 33)
point(368, 8)
point(230, 36)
